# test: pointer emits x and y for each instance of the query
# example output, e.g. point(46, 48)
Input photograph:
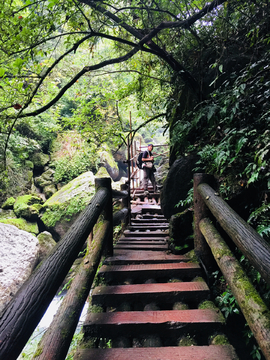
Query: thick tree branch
point(173, 63)
point(77, 76)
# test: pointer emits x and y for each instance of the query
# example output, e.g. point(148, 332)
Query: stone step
point(151, 247)
point(145, 257)
point(191, 292)
point(183, 271)
point(212, 352)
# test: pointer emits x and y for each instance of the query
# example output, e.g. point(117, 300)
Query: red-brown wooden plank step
point(145, 257)
point(157, 233)
point(212, 352)
point(144, 241)
point(148, 238)
point(149, 221)
point(184, 271)
point(132, 323)
point(151, 247)
point(194, 292)
point(150, 227)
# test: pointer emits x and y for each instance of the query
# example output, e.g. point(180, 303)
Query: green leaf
point(2, 72)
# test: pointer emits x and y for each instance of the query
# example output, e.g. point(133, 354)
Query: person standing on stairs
point(148, 169)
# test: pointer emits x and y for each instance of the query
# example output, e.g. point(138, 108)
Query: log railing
point(23, 313)
point(209, 246)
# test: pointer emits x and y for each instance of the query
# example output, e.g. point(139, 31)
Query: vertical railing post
point(201, 211)
point(126, 202)
point(107, 212)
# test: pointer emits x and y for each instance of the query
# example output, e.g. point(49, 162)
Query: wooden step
point(143, 241)
point(212, 352)
point(158, 233)
point(192, 292)
point(148, 238)
point(183, 271)
point(146, 257)
point(146, 227)
point(151, 247)
point(149, 221)
point(149, 216)
point(163, 323)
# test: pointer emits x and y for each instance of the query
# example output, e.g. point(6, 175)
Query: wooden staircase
point(151, 301)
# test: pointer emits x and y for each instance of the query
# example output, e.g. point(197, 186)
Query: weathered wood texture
point(213, 352)
point(201, 211)
point(24, 312)
point(250, 302)
point(107, 212)
point(55, 343)
point(252, 245)
point(120, 216)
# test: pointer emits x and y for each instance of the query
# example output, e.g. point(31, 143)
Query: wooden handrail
point(23, 313)
point(252, 245)
point(252, 306)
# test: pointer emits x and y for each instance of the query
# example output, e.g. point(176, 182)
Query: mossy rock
point(49, 190)
point(63, 208)
point(7, 214)
point(46, 244)
point(29, 164)
point(24, 207)
point(45, 179)
point(8, 204)
point(22, 224)
point(40, 160)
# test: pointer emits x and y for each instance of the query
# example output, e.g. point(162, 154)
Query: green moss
point(8, 204)
point(219, 340)
point(187, 341)
point(38, 352)
point(207, 305)
point(22, 224)
point(23, 206)
point(198, 279)
point(63, 211)
point(192, 256)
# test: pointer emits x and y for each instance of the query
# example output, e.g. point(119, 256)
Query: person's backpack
point(139, 160)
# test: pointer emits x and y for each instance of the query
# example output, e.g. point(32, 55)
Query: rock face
point(18, 257)
point(64, 207)
point(177, 184)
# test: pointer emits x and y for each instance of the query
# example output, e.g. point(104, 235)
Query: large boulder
point(46, 244)
point(27, 206)
point(177, 184)
point(40, 160)
point(19, 254)
point(63, 208)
